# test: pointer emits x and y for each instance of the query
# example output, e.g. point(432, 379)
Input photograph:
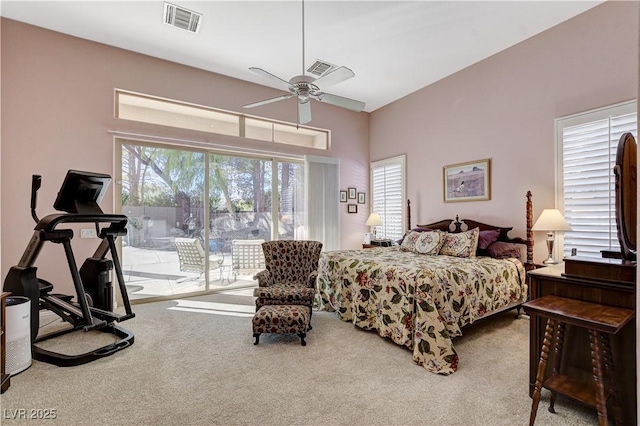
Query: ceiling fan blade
point(341, 102)
point(282, 83)
point(268, 101)
point(334, 77)
point(304, 112)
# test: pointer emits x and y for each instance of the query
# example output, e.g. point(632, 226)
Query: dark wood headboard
point(457, 225)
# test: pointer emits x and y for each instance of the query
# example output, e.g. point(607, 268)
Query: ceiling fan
point(305, 88)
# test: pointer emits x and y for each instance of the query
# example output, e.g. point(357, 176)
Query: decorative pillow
point(462, 244)
point(487, 238)
point(409, 241)
point(502, 250)
point(418, 229)
point(430, 242)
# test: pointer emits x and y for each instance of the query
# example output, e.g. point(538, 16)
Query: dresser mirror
point(625, 172)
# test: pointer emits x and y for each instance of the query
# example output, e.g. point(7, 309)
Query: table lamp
point(551, 221)
point(374, 220)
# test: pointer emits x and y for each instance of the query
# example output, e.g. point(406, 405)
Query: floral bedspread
point(418, 301)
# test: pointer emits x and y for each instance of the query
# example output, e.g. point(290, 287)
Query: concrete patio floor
point(156, 273)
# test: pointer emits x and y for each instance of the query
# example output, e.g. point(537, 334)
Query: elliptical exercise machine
point(79, 196)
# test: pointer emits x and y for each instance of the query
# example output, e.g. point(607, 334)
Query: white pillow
point(430, 242)
point(462, 244)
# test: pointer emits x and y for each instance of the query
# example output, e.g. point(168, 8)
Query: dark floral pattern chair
point(290, 274)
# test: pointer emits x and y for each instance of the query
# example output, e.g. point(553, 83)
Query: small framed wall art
point(361, 197)
point(467, 181)
point(343, 196)
point(352, 193)
point(352, 208)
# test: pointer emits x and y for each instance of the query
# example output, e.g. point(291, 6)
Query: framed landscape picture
point(352, 208)
point(467, 181)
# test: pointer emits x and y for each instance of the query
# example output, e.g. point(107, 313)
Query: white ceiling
point(394, 47)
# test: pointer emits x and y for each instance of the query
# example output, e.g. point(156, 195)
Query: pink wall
point(504, 108)
point(57, 108)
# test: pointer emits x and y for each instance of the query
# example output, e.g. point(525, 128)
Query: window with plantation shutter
point(388, 196)
point(587, 153)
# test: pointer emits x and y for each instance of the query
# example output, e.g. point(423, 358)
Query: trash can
point(18, 334)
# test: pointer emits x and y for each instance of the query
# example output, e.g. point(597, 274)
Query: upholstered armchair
point(290, 274)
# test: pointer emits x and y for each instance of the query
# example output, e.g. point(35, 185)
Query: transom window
point(148, 109)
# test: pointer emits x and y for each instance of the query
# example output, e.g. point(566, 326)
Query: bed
point(421, 298)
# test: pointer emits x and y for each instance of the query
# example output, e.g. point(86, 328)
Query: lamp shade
point(551, 220)
point(374, 220)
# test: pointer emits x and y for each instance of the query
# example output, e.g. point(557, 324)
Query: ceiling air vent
point(180, 17)
point(320, 68)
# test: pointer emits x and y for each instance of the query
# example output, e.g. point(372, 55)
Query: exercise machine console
point(92, 307)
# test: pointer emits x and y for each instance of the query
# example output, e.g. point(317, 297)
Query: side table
point(552, 280)
point(601, 321)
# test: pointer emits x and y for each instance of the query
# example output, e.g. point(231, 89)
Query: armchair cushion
point(288, 294)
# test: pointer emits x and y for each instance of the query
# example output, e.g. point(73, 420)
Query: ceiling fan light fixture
point(303, 98)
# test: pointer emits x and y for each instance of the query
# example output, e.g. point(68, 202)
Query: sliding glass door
point(170, 194)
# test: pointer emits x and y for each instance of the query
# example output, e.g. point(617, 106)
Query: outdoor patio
point(151, 273)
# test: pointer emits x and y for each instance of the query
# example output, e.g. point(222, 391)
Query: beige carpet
point(197, 365)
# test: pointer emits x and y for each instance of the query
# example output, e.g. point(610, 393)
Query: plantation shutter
point(387, 196)
point(589, 144)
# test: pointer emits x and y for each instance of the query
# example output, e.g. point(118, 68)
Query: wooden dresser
point(615, 287)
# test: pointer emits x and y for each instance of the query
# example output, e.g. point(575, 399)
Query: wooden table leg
point(596, 365)
point(611, 378)
point(542, 366)
point(559, 346)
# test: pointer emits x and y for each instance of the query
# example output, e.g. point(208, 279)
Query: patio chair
point(192, 257)
point(290, 274)
point(246, 257)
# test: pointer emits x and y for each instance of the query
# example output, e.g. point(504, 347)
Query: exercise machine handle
point(36, 181)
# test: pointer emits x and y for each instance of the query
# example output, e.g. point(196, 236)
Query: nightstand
point(378, 243)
